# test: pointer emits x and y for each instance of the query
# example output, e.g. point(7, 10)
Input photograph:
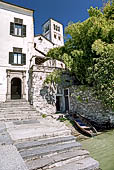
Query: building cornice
point(1, 1)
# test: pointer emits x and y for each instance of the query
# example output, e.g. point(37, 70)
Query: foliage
point(102, 72)
point(44, 115)
point(62, 119)
point(79, 98)
point(89, 51)
point(109, 10)
point(53, 78)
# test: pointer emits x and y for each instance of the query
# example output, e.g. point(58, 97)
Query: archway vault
point(16, 84)
point(16, 87)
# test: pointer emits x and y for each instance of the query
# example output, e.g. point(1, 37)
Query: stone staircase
point(57, 153)
point(43, 143)
point(17, 110)
point(49, 145)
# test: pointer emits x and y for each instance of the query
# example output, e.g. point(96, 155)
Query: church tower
point(53, 31)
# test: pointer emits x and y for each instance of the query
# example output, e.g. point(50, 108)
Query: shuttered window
point(24, 30)
point(11, 28)
point(17, 28)
point(17, 58)
point(24, 59)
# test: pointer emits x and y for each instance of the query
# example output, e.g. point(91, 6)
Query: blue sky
point(63, 11)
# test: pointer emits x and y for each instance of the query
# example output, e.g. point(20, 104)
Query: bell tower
point(53, 31)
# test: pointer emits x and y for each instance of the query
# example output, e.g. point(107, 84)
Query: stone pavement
point(30, 142)
point(10, 159)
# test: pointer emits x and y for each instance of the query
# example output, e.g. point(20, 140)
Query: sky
point(64, 11)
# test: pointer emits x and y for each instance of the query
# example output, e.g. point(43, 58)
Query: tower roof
point(51, 19)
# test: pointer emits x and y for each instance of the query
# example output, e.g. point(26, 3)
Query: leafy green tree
point(88, 52)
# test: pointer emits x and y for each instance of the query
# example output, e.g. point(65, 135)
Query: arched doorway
point(16, 88)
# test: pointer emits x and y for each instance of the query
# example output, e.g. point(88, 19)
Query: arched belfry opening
point(16, 89)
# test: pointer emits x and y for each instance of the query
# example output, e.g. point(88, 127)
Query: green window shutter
point(24, 59)
point(24, 30)
point(11, 58)
point(11, 28)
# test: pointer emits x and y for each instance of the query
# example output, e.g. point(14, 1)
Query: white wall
point(7, 41)
point(56, 40)
point(43, 44)
point(50, 34)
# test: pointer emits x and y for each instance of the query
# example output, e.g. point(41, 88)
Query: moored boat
point(83, 125)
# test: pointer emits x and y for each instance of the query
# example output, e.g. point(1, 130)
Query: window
point(46, 28)
point(55, 36)
point(34, 45)
point(57, 28)
point(17, 28)
point(39, 61)
point(17, 57)
point(66, 92)
point(54, 26)
point(59, 37)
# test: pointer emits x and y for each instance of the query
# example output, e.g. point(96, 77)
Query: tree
point(88, 51)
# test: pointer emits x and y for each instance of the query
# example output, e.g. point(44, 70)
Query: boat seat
point(85, 127)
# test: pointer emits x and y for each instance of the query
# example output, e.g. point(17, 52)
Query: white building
point(16, 47)
point(20, 51)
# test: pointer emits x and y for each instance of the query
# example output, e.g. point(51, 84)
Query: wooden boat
point(83, 125)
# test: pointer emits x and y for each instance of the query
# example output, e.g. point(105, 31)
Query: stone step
point(36, 131)
point(19, 112)
point(14, 103)
point(17, 107)
point(81, 164)
point(44, 142)
point(19, 118)
point(11, 109)
point(46, 150)
point(15, 112)
point(26, 122)
point(49, 161)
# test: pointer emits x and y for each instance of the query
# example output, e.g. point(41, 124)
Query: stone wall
point(84, 102)
point(43, 97)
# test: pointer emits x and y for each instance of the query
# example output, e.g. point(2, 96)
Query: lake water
point(101, 148)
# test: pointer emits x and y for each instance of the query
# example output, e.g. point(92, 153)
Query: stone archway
point(16, 88)
point(16, 82)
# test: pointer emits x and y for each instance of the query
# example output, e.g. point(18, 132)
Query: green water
point(101, 148)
